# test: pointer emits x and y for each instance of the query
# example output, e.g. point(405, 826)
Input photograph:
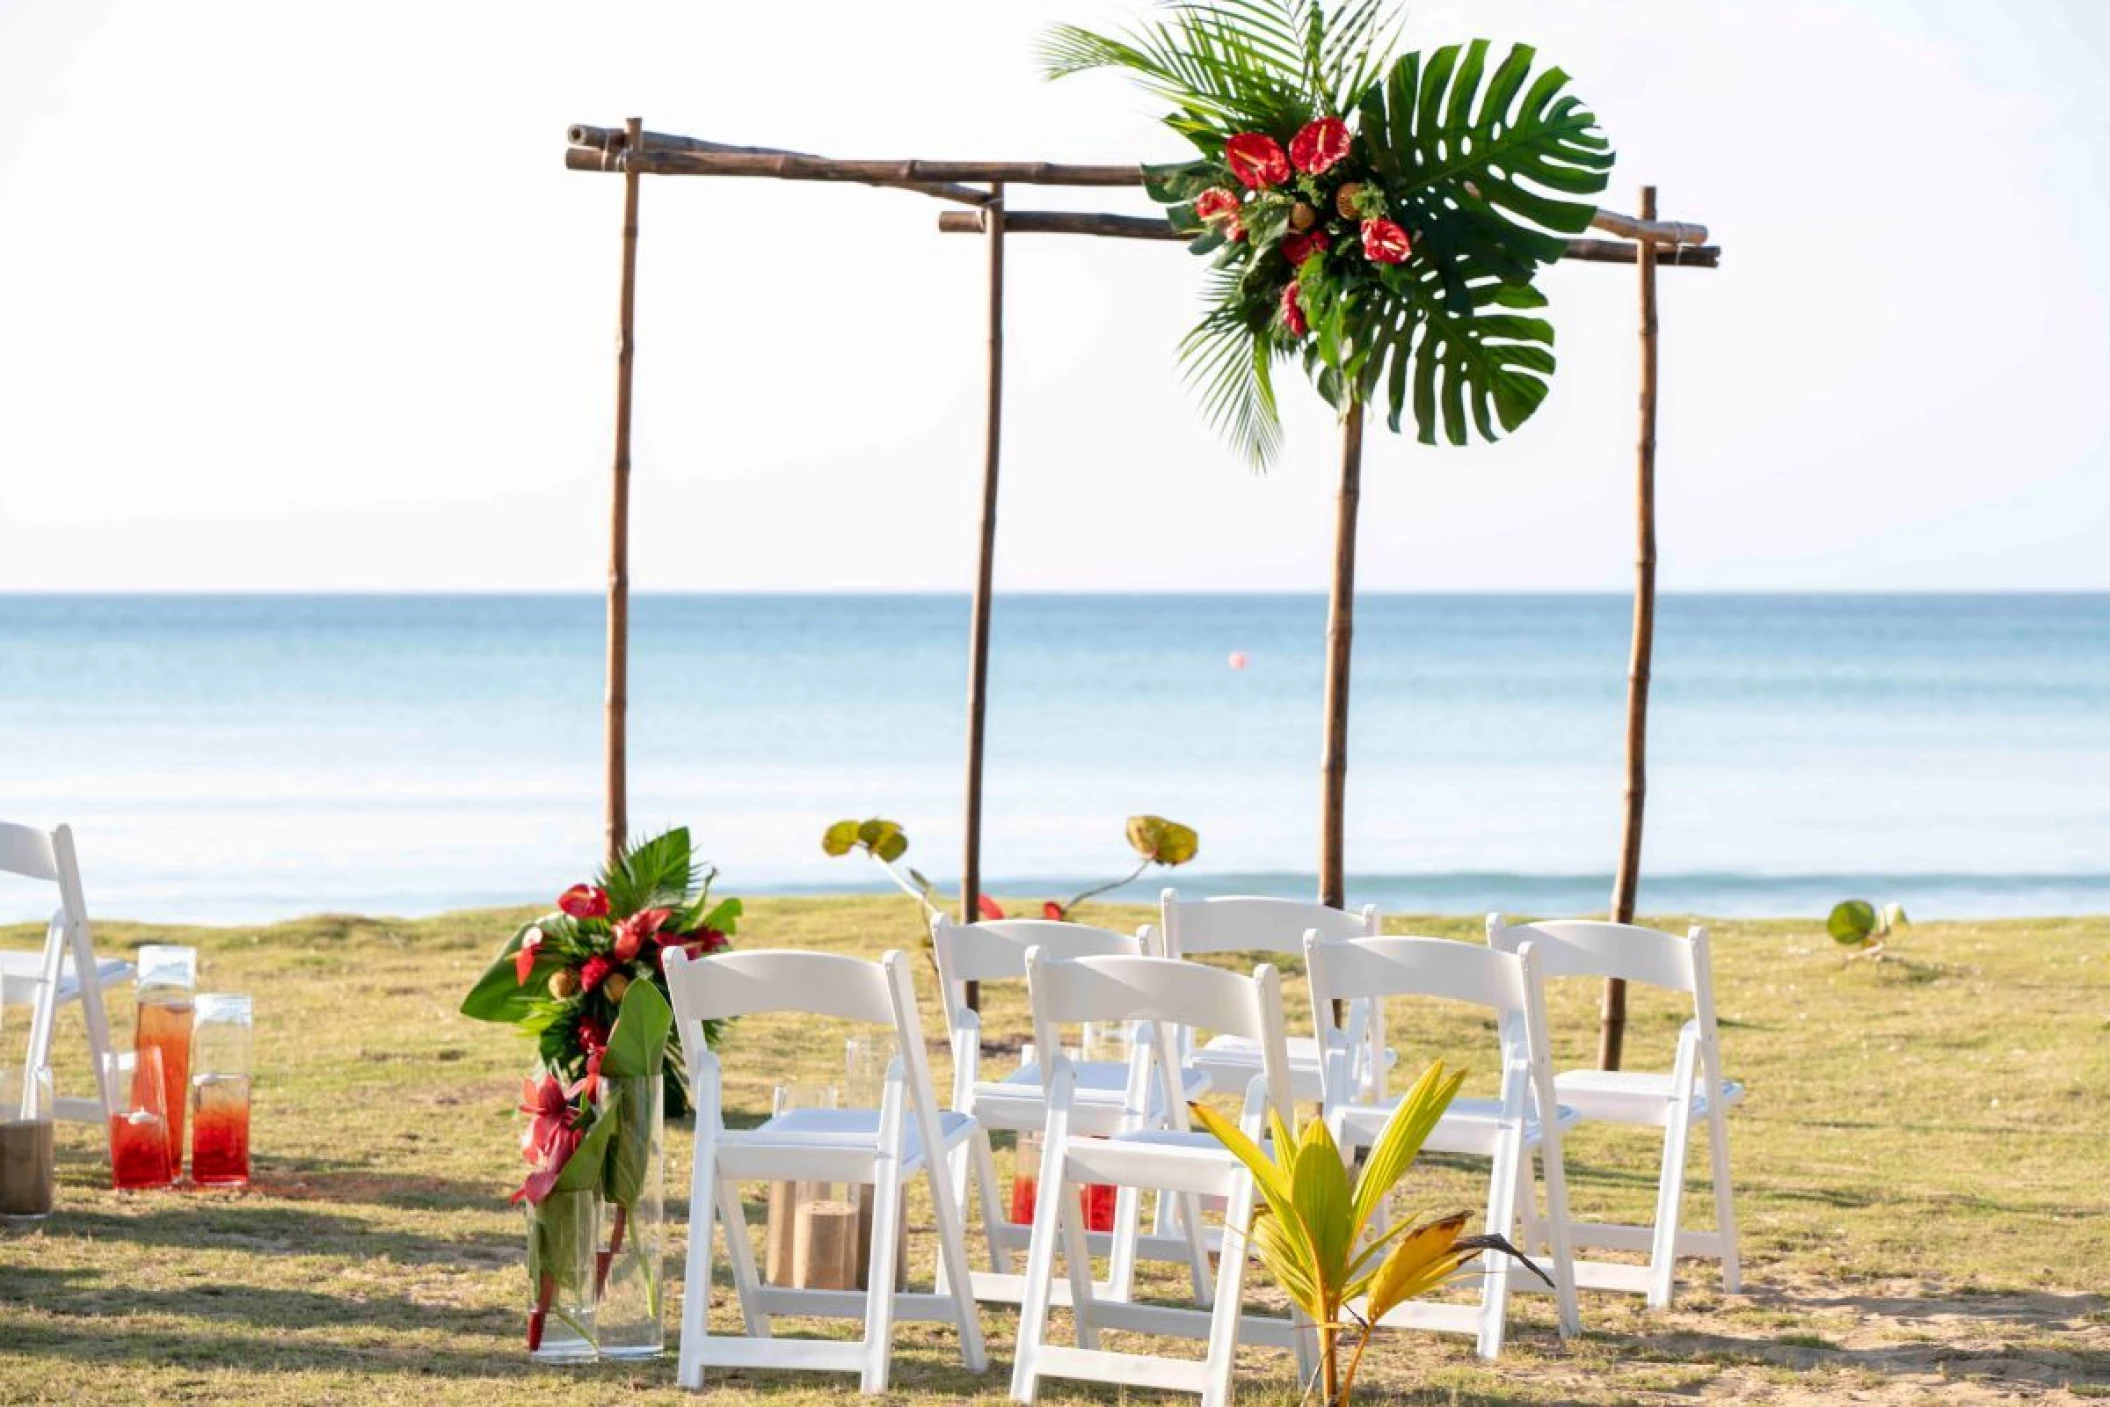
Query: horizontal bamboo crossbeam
point(1591, 251)
point(1648, 231)
point(795, 167)
point(601, 145)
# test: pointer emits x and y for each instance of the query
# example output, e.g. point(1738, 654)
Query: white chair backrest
point(1506, 983)
point(1587, 948)
point(27, 852)
point(816, 984)
point(996, 951)
point(34, 854)
point(1248, 923)
point(1168, 993)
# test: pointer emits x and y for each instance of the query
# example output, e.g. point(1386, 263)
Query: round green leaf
point(1852, 922)
point(838, 838)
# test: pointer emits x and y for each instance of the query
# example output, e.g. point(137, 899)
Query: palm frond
point(1229, 361)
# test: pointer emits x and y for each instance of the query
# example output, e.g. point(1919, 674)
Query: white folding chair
point(1692, 1089)
point(67, 969)
point(1508, 1130)
point(906, 1135)
point(1245, 924)
point(1165, 993)
point(1110, 1096)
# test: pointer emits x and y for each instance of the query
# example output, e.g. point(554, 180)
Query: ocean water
point(241, 758)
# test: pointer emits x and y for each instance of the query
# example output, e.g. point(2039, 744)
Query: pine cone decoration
point(1344, 200)
point(1302, 216)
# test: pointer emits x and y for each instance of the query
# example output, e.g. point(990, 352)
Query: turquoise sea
point(238, 758)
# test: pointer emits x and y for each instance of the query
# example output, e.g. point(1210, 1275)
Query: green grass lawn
point(1922, 1168)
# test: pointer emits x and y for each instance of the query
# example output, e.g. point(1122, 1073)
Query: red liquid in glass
point(219, 1149)
point(1098, 1203)
point(139, 1152)
point(165, 1026)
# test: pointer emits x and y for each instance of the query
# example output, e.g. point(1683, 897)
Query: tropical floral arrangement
point(587, 983)
point(1380, 219)
point(1156, 840)
point(562, 977)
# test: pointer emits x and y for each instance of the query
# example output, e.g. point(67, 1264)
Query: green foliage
point(1313, 1230)
point(1163, 842)
point(1856, 923)
point(653, 874)
point(1486, 167)
point(883, 840)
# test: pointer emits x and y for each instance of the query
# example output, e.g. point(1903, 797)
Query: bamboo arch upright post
point(1612, 1032)
point(617, 757)
point(984, 579)
point(1340, 641)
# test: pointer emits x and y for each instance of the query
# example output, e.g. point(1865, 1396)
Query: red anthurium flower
point(548, 1103)
point(595, 972)
point(524, 957)
point(1320, 146)
point(695, 945)
point(642, 927)
point(593, 1035)
point(1216, 203)
point(1053, 910)
point(1256, 159)
point(541, 1182)
point(584, 901)
point(1299, 245)
point(1293, 312)
point(1384, 242)
point(987, 908)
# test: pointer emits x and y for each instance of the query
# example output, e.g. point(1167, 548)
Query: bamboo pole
point(1340, 637)
point(618, 698)
point(601, 145)
point(1612, 1032)
point(793, 166)
point(1590, 251)
point(984, 580)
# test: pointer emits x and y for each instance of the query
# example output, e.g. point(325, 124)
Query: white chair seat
point(20, 974)
point(843, 1130)
point(1020, 1101)
point(1230, 1062)
point(1468, 1126)
point(1632, 1096)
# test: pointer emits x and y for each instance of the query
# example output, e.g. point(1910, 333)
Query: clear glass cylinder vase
point(630, 1309)
point(563, 1231)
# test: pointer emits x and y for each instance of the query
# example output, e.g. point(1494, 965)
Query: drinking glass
point(28, 1170)
point(136, 1097)
point(866, 1060)
point(168, 983)
point(219, 1089)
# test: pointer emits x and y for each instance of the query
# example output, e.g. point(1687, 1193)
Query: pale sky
point(301, 297)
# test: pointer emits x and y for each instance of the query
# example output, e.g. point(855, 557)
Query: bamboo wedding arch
point(1644, 242)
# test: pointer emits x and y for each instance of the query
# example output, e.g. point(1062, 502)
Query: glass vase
point(219, 1090)
point(562, 1234)
point(28, 1171)
point(167, 987)
point(630, 1266)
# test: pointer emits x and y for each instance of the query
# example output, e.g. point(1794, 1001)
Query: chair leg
point(740, 1250)
point(1040, 1276)
point(1559, 1235)
point(885, 1252)
point(1501, 1217)
point(1076, 1255)
point(1724, 1194)
point(993, 1208)
point(1670, 1194)
point(1531, 1228)
point(696, 1275)
point(93, 1014)
point(1128, 1225)
point(1188, 1208)
point(953, 1271)
point(1230, 1295)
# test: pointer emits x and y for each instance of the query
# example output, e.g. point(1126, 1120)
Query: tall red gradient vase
point(168, 985)
point(219, 1090)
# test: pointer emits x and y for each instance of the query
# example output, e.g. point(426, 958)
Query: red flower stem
point(540, 1313)
point(615, 1248)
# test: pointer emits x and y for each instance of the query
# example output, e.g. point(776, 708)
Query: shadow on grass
point(274, 1230)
